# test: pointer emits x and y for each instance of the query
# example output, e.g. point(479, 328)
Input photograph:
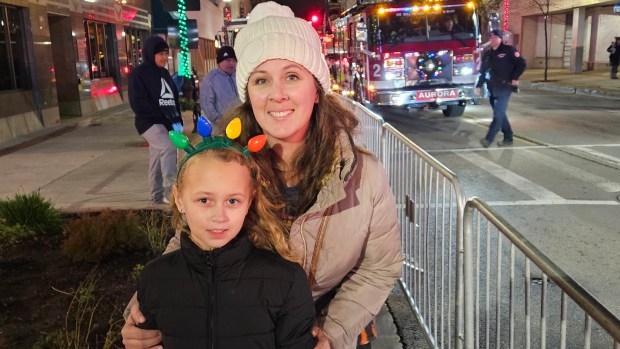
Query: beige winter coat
point(354, 218)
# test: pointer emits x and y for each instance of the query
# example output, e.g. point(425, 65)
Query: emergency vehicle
point(414, 54)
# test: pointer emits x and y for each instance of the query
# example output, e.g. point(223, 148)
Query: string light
point(184, 42)
point(506, 14)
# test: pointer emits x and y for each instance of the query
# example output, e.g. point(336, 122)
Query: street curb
point(34, 138)
point(567, 89)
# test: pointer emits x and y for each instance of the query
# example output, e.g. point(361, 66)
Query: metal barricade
point(464, 264)
point(371, 126)
point(515, 297)
point(430, 203)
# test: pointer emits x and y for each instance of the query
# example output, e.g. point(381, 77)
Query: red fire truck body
point(415, 55)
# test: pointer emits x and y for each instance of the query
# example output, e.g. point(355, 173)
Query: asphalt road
point(559, 185)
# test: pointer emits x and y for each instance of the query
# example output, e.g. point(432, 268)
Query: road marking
point(585, 149)
point(576, 172)
point(554, 202)
point(598, 154)
point(520, 183)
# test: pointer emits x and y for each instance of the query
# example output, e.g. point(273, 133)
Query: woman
point(336, 197)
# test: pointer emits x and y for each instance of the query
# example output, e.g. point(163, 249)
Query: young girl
point(226, 288)
point(334, 196)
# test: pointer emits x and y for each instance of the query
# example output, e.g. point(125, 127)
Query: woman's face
point(282, 94)
point(215, 197)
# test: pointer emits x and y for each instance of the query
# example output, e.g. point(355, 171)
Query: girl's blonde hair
point(264, 228)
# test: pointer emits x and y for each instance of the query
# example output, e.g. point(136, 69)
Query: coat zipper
point(211, 303)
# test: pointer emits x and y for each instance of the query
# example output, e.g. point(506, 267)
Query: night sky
point(304, 8)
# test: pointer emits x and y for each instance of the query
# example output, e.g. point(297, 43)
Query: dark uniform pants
point(499, 103)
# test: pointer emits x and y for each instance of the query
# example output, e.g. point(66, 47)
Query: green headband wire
point(204, 129)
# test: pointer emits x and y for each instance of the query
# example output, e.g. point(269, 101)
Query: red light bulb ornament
point(257, 143)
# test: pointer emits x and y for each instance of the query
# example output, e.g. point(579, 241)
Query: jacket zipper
point(211, 301)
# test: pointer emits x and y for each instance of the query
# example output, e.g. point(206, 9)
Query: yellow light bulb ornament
point(233, 130)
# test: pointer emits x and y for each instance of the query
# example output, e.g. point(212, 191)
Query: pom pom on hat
point(269, 9)
point(273, 32)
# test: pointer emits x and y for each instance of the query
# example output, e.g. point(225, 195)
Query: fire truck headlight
point(395, 99)
point(467, 71)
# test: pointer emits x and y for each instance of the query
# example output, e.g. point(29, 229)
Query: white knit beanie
point(273, 32)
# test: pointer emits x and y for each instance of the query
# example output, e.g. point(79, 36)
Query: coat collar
point(344, 164)
point(237, 250)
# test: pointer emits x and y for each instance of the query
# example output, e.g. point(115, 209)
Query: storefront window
point(13, 58)
point(100, 44)
point(134, 38)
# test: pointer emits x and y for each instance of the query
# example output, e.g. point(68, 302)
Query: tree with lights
point(184, 69)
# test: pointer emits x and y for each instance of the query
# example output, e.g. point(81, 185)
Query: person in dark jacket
point(226, 287)
point(502, 65)
point(614, 57)
point(154, 99)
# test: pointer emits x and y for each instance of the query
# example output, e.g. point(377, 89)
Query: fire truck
point(414, 54)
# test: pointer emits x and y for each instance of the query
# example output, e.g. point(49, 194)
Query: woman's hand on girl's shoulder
point(321, 340)
point(136, 338)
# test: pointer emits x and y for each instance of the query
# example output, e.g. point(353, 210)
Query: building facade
point(578, 32)
point(65, 57)
point(68, 58)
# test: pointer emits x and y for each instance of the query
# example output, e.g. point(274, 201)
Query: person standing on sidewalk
point(502, 65)
point(614, 57)
point(219, 89)
point(154, 99)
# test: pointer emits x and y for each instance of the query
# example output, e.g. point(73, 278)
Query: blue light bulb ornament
point(204, 127)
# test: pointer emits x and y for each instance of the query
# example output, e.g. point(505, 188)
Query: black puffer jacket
point(237, 296)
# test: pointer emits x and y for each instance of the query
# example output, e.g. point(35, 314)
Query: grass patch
point(32, 213)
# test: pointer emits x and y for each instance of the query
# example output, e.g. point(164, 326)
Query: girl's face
point(283, 95)
point(215, 197)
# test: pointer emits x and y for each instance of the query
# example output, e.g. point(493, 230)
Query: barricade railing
point(516, 297)
point(452, 260)
point(371, 127)
point(430, 203)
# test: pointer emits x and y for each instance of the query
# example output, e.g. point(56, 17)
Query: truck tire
point(454, 110)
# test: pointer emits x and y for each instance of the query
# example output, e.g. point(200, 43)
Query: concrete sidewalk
point(596, 83)
point(82, 164)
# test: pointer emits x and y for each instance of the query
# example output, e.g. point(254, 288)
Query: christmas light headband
point(204, 129)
